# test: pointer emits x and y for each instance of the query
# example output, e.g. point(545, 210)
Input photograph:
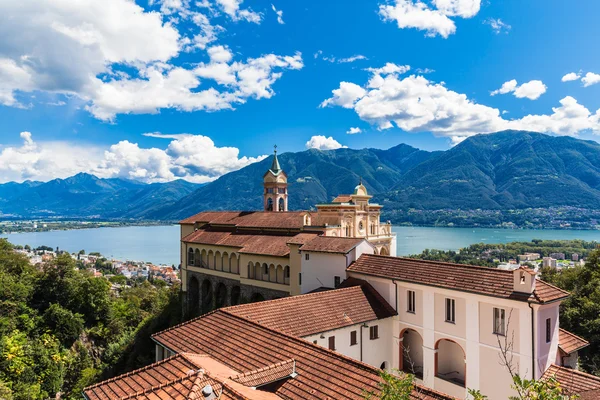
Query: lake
point(160, 244)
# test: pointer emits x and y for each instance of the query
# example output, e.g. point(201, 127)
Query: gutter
point(532, 343)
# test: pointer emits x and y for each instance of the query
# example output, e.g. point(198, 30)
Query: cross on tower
point(275, 147)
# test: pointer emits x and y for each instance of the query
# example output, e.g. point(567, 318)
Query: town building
point(558, 256)
point(549, 262)
point(229, 257)
point(529, 257)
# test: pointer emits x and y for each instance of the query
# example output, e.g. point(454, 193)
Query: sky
point(157, 90)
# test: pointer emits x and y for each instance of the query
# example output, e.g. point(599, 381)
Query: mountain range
point(508, 170)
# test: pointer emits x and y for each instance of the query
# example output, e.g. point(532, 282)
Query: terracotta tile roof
point(269, 374)
point(313, 313)
point(211, 217)
point(331, 244)
point(343, 198)
point(569, 342)
point(245, 346)
point(466, 278)
point(176, 375)
point(274, 245)
point(587, 386)
point(250, 219)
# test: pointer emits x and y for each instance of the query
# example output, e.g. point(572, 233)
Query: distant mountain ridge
point(508, 170)
point(87, 196)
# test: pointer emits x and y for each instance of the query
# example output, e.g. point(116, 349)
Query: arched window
point(190, 257)
point(270, 204)
point(281, 204)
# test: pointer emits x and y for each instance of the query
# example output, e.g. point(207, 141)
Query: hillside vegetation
point(62, 329)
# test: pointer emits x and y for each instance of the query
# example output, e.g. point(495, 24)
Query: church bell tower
point(275, 187)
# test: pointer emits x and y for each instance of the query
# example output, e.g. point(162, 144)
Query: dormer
point(524, 280)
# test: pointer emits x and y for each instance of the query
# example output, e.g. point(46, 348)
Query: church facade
point(231, 257)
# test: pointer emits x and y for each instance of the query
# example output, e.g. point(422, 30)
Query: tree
point(394, 387)
point(66, 326)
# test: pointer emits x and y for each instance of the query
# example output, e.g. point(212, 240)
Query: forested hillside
point(61, 329)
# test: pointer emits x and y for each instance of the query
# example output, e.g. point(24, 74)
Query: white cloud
point(458, 8)
point(37, 161)
point(332, 59)
point(119, 58)
point(434, 21)
point(279, 14)
point(176, 87)
point(416, 104)
point(390, 68)
point(571, 76)
point(497, 25)
point(409, 14)
point(345, 96)
point(590, 79)
point(233, 9)
point(353, 131)
point(321, 142)
point(531, 90)
point(195, 158)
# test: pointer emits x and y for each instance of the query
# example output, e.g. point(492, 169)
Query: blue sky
point(84, 82)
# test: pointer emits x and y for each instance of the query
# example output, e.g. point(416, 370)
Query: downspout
point(532, 343)
point(396, 285)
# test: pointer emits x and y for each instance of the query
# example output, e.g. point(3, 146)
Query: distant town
point(120, 273)
point(25, 226)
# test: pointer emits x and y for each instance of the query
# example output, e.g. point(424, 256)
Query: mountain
point(488, 174)
point(314, 177)
point(87, 196)
point(505, 170)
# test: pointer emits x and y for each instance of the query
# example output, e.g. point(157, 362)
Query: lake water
point(160, 244)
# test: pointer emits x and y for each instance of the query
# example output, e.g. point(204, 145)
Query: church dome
point(360, 190)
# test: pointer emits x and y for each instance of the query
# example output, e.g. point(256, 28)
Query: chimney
point(208, 393)
point(524, 280)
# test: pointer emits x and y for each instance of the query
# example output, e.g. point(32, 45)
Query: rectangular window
point(336, 281)
point(299, 278)
point(353, 339)
point(499, 321)
point(307, 256)
point(331, 342)
point(450, 310)
point(411, 307)
point(374, 332)
point(548, 330)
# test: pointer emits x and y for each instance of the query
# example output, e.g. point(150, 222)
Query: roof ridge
point(437, 262)
point(261, 369)
point(155, 387)
point(135, 371)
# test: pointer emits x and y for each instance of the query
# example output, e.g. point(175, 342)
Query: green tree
point(399, 386)
point(65, 325)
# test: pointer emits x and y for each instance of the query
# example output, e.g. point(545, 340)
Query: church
point(229, 257)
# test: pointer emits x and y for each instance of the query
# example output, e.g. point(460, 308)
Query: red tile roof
point(175, 375)
point(331, 244)
point(587, 386)
point(466, 278)
point(250, 219)
point(343, 198)
point(269, 374)
point(313, 313)
point(274, 245)
point(569, 342)
point(244, 346)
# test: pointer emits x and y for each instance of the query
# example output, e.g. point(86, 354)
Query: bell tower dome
point(275, 187)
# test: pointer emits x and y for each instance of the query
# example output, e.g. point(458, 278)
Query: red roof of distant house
point(466, 278)
point(587, 386)
point(569, 342)
point(343, 198)
point(250, 219)
point(273, 245)
point(313, 313)
point(243, 346)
